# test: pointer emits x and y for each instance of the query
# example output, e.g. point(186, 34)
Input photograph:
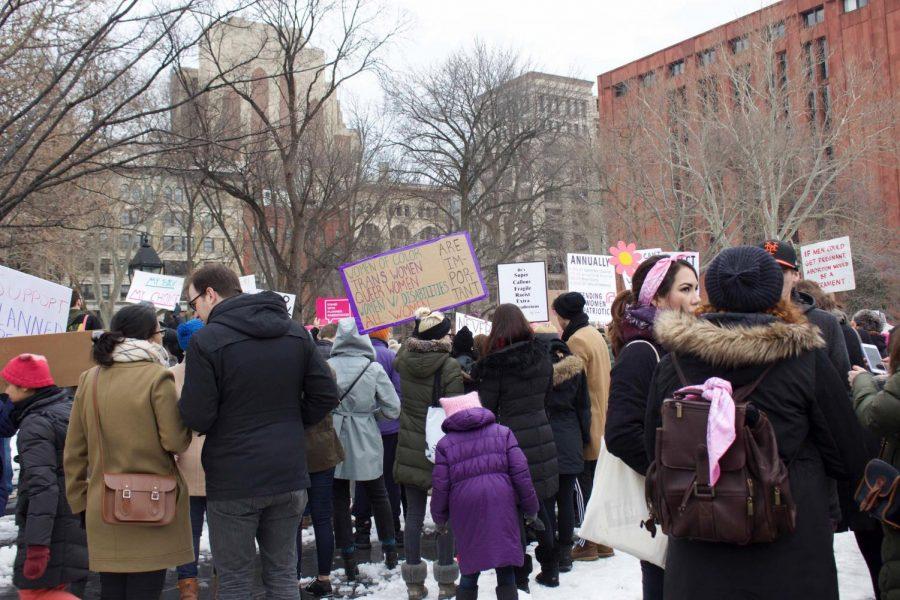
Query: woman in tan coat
point(141, 431)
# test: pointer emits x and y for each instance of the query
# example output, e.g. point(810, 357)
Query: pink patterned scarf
point(720, 430)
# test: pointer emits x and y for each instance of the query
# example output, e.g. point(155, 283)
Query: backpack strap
point(655, 351)
point(681, 377)
point(741, 394)
point(436, 389)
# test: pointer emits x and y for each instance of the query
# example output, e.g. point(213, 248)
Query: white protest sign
point(476, 326)
point(594, 277)
point(30, 305)
point(525, 285)
point(691, 257)
point(645, 254)
point(290, 300)
point(163, 291)
point(248, 283)
point(829, 264)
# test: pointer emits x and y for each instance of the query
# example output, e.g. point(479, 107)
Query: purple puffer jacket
point(482, 483)
point(385, 358)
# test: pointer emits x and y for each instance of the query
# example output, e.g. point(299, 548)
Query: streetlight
point(146, 259)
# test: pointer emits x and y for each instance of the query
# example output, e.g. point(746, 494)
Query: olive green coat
point(417, 362)
point(141, 431)
point(880, 412)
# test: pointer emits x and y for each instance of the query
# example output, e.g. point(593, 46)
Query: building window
point(709, 93)
point(851, 5)
point(104, 291)
point(707, 57)
point(123, 291)
point(209, 245)
point(822, 56)
point(169, 242)
point(648, 79)
point(813, 17)
point(676, 68)
point(184, 243)
point(104, 266)
point(87, 292)
point(776, 31)
point(739, 45)
point(620, 89)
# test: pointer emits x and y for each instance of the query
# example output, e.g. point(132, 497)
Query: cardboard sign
point(594, 277)
point(163, 291)
point(69, 354)
point(387, 288)
point(30, 305)
point(476, 326)
point(830, 264)
point(332, 310)
point(248, 283)
point(645, 254)
point(525, 285)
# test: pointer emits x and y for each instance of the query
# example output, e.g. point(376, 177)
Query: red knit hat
point(29, 371)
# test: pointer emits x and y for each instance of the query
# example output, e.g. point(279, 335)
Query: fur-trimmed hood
point(734, 341)
point(425, 346)
point(567, 368)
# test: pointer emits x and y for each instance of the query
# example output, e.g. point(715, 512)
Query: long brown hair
point(895, 351)
point(628, 297)
point(508, 326)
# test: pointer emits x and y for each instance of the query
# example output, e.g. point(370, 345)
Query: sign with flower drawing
point(625, 258)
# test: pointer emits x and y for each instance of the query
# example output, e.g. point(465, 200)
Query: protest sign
point(829, 264)
point(248, 283)
point(645, 254)
point(290, 300)
point(163, 291)
point(30, 305)
point(332, 310)
point(594, 277)
point(525, 285)
point(476, 326)
point(69, 354)
point(387, 288)
point(691, 257)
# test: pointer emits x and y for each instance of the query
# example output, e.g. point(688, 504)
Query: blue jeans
point(198, 509)
point(272, 522)
point(6, 485)
point(320, 507)
point(505, 576)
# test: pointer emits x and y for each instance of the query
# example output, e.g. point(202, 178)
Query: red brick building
point(841, 30)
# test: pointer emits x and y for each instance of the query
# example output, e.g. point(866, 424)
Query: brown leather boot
point(189, 589)
point(591, 551)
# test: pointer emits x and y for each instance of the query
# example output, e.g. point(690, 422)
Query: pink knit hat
point(457, 403)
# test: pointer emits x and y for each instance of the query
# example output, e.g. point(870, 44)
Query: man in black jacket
point(255, 379)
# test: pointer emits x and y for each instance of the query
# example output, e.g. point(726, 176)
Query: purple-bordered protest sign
point(386, 289)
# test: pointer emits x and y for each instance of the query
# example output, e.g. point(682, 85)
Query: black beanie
point(434, 332)
point(463, 341)
point(569, 305)
point(744, 279)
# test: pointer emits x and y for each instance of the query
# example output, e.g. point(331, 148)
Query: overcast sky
point(582, 38)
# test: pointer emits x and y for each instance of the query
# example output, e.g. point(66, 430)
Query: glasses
point(193, 302)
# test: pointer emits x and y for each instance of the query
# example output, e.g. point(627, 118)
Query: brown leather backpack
point(134, 498)
point(750, 503)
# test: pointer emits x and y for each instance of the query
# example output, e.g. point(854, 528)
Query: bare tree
point(273, 136)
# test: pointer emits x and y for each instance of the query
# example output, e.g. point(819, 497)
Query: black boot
point(565, 558)
point(351, 570)
point(522, 574)
point(390, 556)
point(467, 594)
point(549, 559)
point(363, 530)
point(316, 589)
point(507, 592)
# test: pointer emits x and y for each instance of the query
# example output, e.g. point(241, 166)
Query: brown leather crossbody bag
point(134, 498)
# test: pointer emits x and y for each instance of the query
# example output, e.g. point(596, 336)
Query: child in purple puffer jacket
point(481, 485)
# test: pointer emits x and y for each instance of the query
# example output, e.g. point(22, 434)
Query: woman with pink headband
point(659, 284)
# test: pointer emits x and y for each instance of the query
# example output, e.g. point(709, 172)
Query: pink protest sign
point(332, 310)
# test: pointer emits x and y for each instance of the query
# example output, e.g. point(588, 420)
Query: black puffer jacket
point(569, 407)
point(805, 400)
point(515, 383)
point(628, 389)
point(254, 380)
point(42, 512)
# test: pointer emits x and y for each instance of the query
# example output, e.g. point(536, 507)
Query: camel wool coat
point(588, 344)
point(141, 431)
point(189, 461)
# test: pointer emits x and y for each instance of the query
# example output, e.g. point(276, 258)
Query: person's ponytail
point(104, 345)
point(617, 311)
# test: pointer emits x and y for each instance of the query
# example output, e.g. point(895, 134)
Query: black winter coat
point(830, 329)
point(568, 408)
point(854, 346)
point(628, 390)
point(42, 512)
point(805, 400)
point(254, 380)
point(515, 383)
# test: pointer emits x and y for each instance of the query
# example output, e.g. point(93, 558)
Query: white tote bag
point(617, 507)
point(433, 431)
